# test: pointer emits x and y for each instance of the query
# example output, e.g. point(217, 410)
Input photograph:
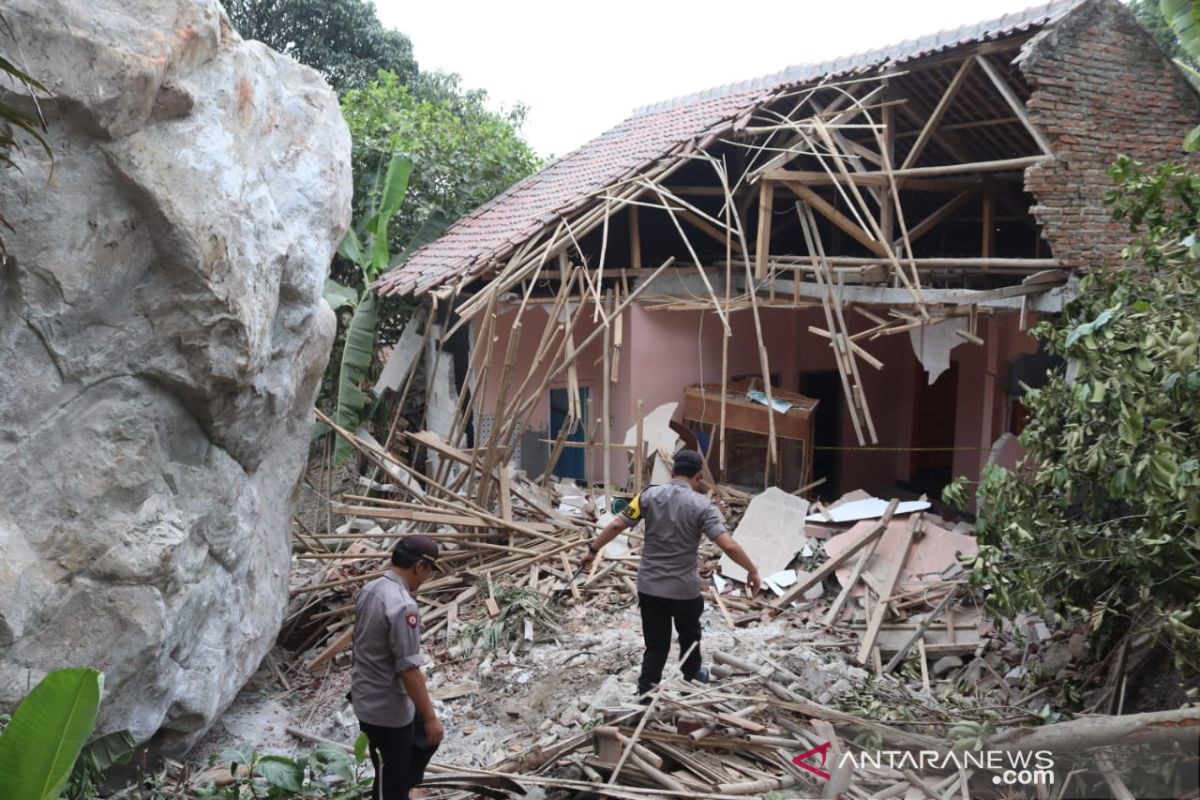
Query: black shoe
point(701, 676)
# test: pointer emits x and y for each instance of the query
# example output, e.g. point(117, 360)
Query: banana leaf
point(356, 361)
point(338, 296)
point(1184, 18)
point(351, 247)
point(39, 747)
point(111, 749)
point(394, 187)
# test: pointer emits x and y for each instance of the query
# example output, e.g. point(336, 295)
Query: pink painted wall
point(589, 366)
point(664, 351)
point(982, 406)
point(685, 348)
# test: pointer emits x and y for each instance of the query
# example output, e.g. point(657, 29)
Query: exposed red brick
point(1101, 88)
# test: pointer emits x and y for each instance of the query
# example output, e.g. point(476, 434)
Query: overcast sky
point(583, 67)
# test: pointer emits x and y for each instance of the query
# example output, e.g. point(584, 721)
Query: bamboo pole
point(639, 455)
point(606, 380)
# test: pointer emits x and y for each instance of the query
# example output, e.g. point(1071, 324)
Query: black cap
point(688, 462)
point(419, 546)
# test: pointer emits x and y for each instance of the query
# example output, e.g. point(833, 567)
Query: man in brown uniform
point(387, 688)
point(668, 582)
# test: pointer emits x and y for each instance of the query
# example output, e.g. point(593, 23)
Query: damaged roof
point(493, 231)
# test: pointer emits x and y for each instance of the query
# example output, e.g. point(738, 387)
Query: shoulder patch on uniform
point(412, 619)
point(634, 509)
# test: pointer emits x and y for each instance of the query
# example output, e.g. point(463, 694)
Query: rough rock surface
point(162, 336)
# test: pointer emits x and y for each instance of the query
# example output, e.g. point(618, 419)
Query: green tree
point(1102, 518)
point(463, 153)
point(342, 39)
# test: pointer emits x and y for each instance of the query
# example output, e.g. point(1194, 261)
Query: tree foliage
point(1102, 518)
point(463, 153)
point(342, 39)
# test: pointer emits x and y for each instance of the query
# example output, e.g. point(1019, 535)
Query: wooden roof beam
point(827, 210)
point(877, 179)
point(999, 165)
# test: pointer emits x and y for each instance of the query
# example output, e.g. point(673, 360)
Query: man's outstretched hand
point(754, 582)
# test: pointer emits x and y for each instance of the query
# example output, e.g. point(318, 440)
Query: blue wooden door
point(570, 461)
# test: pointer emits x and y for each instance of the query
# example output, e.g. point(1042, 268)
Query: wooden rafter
point(1015, 104)
point(962, 126)
point(945, 137)
point(945, 210)
point(931, 124)
point(711, 231)
point(839, 118)
point(826, 209)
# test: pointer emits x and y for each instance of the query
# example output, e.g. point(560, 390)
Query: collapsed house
point(860, 244)
point(823, 275)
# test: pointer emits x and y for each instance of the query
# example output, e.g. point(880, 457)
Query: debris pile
point(867, 637)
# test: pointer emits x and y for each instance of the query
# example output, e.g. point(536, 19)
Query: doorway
point(826, 387)
point(934, 410)
point(570, 462)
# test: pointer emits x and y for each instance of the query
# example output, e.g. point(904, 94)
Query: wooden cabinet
point(702, 410)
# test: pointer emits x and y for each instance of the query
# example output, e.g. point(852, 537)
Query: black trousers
point(400, 756)
point(658, 613)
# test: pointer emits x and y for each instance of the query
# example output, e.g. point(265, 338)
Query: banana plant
point(38, 748)
point(366, 246)
point(1184, 18)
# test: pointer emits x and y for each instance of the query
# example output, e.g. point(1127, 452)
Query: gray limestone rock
point(162, 336)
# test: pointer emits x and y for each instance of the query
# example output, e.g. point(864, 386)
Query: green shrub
point(327, 772)
point(1101, 517)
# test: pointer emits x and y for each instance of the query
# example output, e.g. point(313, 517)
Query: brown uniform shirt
point(676, 515)
point(387, 641)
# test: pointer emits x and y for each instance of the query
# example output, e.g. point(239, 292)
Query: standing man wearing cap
point(387, 689)
point(668, 581)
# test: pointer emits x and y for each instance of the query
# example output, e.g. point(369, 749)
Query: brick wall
point(1101, 88)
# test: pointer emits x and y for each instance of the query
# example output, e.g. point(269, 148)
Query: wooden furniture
point(702, 409)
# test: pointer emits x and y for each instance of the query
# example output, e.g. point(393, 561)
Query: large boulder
point(162, 339)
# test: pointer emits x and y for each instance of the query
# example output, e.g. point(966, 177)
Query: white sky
point(582, 68)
